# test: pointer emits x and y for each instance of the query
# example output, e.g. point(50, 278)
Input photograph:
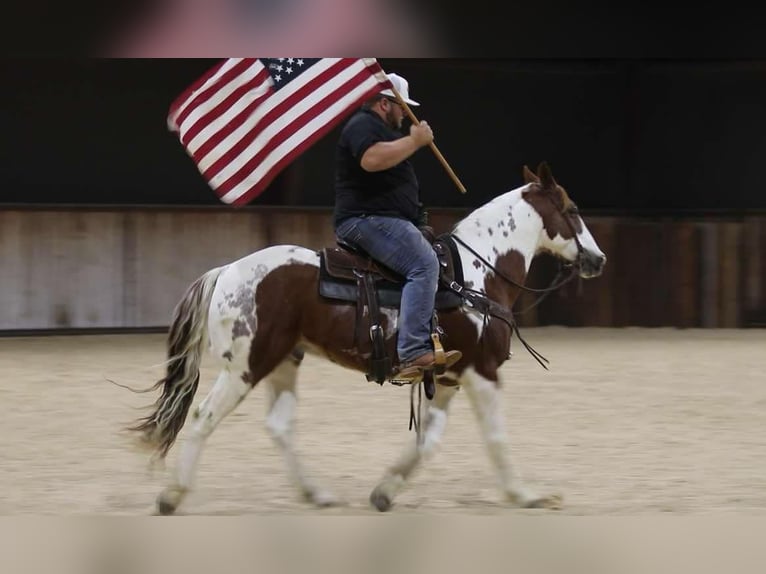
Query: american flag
point(246, 119)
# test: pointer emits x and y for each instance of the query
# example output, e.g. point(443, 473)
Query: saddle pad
point(389, 293)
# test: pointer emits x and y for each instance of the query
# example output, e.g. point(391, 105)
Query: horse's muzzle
point(591, 264)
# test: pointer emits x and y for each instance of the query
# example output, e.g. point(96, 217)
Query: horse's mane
point(494, 208)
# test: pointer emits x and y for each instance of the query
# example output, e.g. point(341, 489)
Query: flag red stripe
point(216, 112)
point(289, 130)
point(217, 137)
point(298, 149)
point(205, 95)
point(285, 130)
point(280, 110)
point(194, 87)
point(264, 182)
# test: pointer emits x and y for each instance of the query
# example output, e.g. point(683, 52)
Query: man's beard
point(391, 120)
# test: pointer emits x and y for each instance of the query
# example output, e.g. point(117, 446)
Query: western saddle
point(347, 273)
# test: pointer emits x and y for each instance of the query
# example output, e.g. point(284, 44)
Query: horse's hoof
point(165, 508)
point(380, 501)
point(169, 499)
point(552, 502)
point(324, 499)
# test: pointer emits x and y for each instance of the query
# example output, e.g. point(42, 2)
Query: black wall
point(632, 134)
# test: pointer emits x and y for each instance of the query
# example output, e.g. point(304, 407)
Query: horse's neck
point(504, 232)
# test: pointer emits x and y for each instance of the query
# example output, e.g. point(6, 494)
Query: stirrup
point(415, 373)
point(439, 355)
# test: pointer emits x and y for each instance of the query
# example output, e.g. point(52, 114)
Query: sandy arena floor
point(627, 421)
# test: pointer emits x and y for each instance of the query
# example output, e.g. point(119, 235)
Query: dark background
point(622, 134)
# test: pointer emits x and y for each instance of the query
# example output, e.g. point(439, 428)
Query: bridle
point(487, 307)
point(557, 282)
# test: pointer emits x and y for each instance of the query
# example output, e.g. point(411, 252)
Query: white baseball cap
point(402, 86)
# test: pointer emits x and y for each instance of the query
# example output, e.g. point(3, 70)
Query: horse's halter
point(505, 314)
point(580, 249)
point(574, 266)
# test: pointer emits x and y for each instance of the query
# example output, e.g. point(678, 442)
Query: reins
point(488, 307)
point(552, 287)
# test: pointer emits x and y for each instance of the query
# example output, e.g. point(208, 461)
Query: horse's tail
point(185, 346)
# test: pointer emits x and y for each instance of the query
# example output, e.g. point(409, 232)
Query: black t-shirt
point(393, 191)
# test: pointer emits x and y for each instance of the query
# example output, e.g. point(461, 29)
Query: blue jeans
point(400, 246)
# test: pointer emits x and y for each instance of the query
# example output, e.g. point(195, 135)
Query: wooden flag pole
point(432, 145)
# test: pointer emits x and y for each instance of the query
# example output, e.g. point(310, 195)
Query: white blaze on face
point(565, 248)
point(587, 241)
point(232, 322)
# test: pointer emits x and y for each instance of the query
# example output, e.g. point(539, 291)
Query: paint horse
point(257, 315)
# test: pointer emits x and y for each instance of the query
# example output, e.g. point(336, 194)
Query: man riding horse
point(378, 211)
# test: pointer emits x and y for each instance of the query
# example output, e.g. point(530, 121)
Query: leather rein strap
point(487, 307)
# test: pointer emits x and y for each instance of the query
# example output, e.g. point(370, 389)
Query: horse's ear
point(530, 177)
point(545, 175)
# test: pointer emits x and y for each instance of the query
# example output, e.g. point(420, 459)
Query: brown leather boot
point(414, 368)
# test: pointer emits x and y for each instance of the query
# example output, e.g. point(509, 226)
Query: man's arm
point(385, 155)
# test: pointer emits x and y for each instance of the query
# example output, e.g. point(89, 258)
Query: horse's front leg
point(485, 398)
point(280, 422)
point(396, 476)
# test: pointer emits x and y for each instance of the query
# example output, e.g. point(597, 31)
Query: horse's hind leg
point(281, 384)
point(484, 396)
point(396, 476)
point(228, 391)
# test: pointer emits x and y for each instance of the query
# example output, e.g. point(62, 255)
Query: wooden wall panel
point(729, 283)
point(60, 271)
point(753, 272)
point(683, 279)
point(120, 268)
